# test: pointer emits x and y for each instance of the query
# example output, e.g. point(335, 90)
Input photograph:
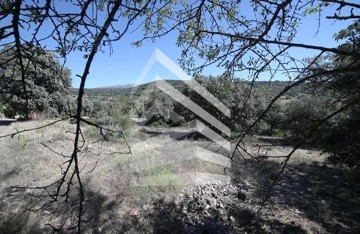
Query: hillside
point(267, 88)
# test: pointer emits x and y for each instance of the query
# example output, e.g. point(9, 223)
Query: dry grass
point(113, 202)
point(28, 160)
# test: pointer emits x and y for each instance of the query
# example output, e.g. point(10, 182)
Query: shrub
point(47, 83)
point(340, 140)
point(1, 107)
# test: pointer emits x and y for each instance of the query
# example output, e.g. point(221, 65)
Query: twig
point(101, 129)
point(312, 130)
point(61, 154)
point(32, 129)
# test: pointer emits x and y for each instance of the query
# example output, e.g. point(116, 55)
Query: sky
point(126, 62)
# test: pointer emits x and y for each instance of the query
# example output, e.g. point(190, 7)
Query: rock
point(222, 212)
point(169, 198)
point(208, 201)
point(207, 213)
point(241, 195)
point(178, 202)
point(211, 202)
point(231, 219)
point(184, 210)
point(134, 212)
point(247, 185)
point(220, 205)
point(148, 207)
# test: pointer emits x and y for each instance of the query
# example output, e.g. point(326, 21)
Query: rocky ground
point(209, 208)
point(310, 197)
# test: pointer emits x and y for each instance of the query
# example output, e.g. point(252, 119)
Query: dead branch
point(32, 129)
point(101, 129)
point(297, 146)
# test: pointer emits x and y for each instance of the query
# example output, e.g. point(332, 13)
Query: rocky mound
point(209, 208)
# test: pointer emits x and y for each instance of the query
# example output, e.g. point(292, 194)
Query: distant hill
point(110, 91)
point(269, 88)
point(106, 91)
point(126, 86)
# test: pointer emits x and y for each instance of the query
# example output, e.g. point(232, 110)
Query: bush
point(120, 114)
point(1, 108)
point(114, 115)
point(47, 82)
point(18, 223)
point(341, 141)
point(301, 115)
point(10, 113)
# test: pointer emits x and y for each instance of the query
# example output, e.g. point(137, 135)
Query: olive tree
point(47, 83)
point(257, 41)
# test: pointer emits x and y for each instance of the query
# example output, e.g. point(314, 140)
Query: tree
point(234, 94)
point(344, 152)
point(344, 87)
point(1, 107)
point(158, 108)
point(84, 26)
point(274, 117)
point(302, 113)
point(218, 31)
point(47, 83)
point(259, 42)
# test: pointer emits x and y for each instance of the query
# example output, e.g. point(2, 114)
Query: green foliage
point(120, 113)
point(113, 113)
point(161, 105)
point(274, 118)
point(341, 138)
point(302, 114)
point(235, 94)
point(348, 32)
point(46, 82)
point(1, 107)
point(15, 224)
point(341, 141)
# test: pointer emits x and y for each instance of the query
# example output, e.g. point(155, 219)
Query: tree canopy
point(46, 83)
point(255, 36)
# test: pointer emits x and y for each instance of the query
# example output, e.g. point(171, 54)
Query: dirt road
point(2, 129)
point(4, 124)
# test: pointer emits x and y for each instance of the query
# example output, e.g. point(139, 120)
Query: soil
point(311, 196)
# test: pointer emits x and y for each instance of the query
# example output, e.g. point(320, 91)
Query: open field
point(310, 197)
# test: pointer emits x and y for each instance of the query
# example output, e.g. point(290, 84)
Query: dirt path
point(174, 132)
point(4, 124)
point(2, 129)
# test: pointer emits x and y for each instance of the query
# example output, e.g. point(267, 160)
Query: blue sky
point(126, 63)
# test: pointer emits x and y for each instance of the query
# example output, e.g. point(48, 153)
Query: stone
point(135, 212)
point(169, 198)
point(220, 205)
point(247, 185)
point(241, 195)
